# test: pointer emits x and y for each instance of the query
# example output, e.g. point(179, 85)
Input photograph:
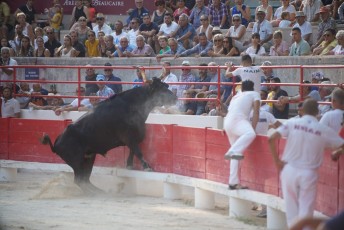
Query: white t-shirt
point(306, 141)
point(252, 73)
point(168, 29)
point(85, 102)
point(116, 37)
point(241, 104)
point(338, 50)
point(171, 78)
point(333, 119)
point(278, 12)
point(105, 28)
point(265, 120)
point(252, 51)
point(4, 76)
point(306, 28)
point(10, 108)
point(132, 34)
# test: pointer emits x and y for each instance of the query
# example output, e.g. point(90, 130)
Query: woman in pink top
point(280, 47)
point(182, 9)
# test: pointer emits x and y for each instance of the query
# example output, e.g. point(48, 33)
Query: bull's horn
point(143, 75)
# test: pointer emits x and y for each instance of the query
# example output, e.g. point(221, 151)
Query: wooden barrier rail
point(185, 151)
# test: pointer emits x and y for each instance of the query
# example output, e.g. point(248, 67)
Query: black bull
point(117, 121)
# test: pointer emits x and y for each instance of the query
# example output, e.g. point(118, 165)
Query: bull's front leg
point(135, 150)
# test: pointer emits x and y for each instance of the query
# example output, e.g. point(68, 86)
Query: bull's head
point(160, 93)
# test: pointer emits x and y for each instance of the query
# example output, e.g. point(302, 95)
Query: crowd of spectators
point(179, 29)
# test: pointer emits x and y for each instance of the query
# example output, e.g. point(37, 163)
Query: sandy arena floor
point(46, 200)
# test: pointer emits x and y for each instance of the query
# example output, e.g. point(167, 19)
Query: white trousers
point(240, 134)
point(299, 187)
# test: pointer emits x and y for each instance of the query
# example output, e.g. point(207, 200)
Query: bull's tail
point(45, 139)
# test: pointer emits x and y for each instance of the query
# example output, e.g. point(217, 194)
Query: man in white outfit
point(335, 118)
point(302, 156)
point(239, 129)
point(246, 72)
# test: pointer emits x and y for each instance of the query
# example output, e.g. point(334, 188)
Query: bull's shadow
point(117, 121)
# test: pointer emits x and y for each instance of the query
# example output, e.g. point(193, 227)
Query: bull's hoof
point(149, 169)
point(130, 167)
point(90, 190)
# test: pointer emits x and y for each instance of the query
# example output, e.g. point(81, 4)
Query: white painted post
point(275, 219)
point(8, 174)
point(204, 199)
point(239, 207)
point(172, 191)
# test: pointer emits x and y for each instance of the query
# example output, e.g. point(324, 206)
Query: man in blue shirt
point(186, 32)
point(117, 88)
point(137, 12)
point(201, 49)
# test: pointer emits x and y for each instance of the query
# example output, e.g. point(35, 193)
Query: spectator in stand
point(15, 43)
point(93, 103)
point(109, 76)
point(187, 107)
point(27, 28)
point(286, 6)
point(25, 91)
point(52, 43)
point(5, 43)
point(90, 76)
point(26, 49)
point(237, 32)
point(6, 27)
point(243, 11)
point(229, 49)
point(299, 47)
point(79, 10)
point(280, 109)
point(52, 10)
point(256, 49)
point(167, 77)
point(119, 32)
point(39, 33)
point(66, 50)
point(134, 31)
point(205, 27)
point(267, 8)
point(123, 48)
point(175, 49)
point(79, 48)
point(91, 13)
point(56, 20)
point(197, 12)
point(29, 12)
point(325, 95)
point(41, 51)
point(182, 9)
point(285, 20)
point(169, 27)
point(102, 44)
point(163, 42)
point(200, 90)
point(36, 95)
point(6, 73)
point(213, 75)
point(218, 14)
point(200, 50)
point(52, 103)
point(311, 10)
point(326, 23)
point(328, 44)
point(82, 29)
point(339, 49)
point(297, 4)
point(138, 12)
point(217, 48)
point(74, 105)
point(101, 25)
point(186, 32)
point(10, 107)
point(280, 47)
point(104, 90)
point(142, 49)
point(264, 28)
point(148, 30)
point(268, 75)
point(159, 14)
point(139, 78)
point(305, 27)
point(110, 48)
point(91, 45)
point(334, 118)
point(186, 76)
point(316, 78)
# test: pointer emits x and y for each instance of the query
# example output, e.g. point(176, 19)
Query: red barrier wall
point(194, 152)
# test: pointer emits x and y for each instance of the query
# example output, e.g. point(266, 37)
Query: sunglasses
point(50, 32)
point(327, 35)
point(219, 40)
point(82, 20)
point(90, 35)
point(224, 41)
point(99, 18)
point(236, 20)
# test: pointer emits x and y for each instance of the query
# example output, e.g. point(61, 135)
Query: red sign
point(112, 7)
